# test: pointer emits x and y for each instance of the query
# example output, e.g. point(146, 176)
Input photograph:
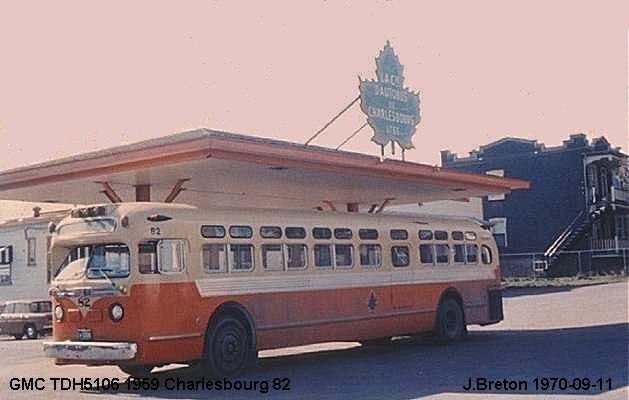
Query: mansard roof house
point(575, 216)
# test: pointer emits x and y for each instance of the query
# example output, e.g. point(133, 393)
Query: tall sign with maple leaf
point(392, 110)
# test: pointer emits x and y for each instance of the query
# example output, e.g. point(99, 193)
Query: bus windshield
point(96, 261)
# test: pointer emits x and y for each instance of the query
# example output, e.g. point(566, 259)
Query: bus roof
point(206, 168)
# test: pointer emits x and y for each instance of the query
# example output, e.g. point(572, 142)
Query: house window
point(499, 230)
point(500, 173)
point(6, 255)
point(31, 251)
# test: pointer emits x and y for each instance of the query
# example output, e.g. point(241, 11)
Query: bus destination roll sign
point(392, 110)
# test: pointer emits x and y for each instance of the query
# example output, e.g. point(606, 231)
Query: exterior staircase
point(580, 224)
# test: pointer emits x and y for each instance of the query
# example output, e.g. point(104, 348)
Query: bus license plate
point(85, 334)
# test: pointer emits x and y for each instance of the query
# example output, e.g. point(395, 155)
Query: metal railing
point(573, 263)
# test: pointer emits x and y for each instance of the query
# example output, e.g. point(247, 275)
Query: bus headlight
point(116, 312)
point(59, 313)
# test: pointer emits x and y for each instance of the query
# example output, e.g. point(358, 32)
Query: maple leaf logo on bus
point(373, 301)
point(392, 110)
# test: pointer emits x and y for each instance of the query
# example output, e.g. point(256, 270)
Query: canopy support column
point(176, 190)
point(142, 192)
point(110, 192)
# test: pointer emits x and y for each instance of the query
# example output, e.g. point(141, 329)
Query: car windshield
point(95, 261)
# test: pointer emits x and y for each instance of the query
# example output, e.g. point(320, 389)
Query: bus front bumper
point(91, 351)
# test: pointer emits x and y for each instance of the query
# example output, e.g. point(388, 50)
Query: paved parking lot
point(569, 333)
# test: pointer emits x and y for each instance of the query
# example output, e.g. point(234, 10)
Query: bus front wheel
point(227, 348)
point(450, 324)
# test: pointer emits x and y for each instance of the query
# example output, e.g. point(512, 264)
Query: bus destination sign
point(392, 110)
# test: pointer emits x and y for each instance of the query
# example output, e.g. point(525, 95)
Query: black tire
point(18, 337)
point(450, 323)
point(227, 348)
point(30, 331)
point(137, 371)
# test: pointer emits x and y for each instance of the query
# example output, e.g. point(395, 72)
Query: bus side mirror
point(6, 255)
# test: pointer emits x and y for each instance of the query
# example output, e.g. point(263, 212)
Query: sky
point(80, 76)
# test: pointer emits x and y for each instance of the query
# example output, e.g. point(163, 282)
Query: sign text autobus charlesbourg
point(392, 110)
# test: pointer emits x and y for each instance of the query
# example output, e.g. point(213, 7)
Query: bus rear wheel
point(227, 348)
point(450, 324)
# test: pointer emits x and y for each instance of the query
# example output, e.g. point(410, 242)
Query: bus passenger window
point(441, 235)
point(344, 256)
point(472, 253)
point(442, 253)
point(321, 233)
point(214, 257)
point(213, 231)
point(323, 255)
point(171, 256)
point(426, 254)
point(425, 235)
point(147, 258)
point(398, 234)
point(370, 255)
point(470, 235)
point(400, 256)
point(271, 232)
point(457, 235)
point(368, 234)
point(240, 232)
point(241, 257)
point(296, 256)
point(343, 233)
point(486, 254)
point(459, 253)
point(295, 233)
point(272, 257)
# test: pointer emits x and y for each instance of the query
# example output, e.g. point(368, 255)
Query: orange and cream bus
point(140, 285)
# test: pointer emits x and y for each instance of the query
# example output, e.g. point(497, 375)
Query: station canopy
point(209, 168)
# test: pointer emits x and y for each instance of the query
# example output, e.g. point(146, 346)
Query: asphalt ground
point(570, 333)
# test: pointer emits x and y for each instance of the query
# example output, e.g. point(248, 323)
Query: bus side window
point(426, 254)
point(400, 256)
point(344, 255)
point(214, 257)
point(472, 253)
point(459, 253)
point(486, 255)
point(171, 256)
point(323, 255)
point(442, 253)
point(296, 256)
point(370, 255)
point(241, 257)
point(147, 258)
point(272, 257)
